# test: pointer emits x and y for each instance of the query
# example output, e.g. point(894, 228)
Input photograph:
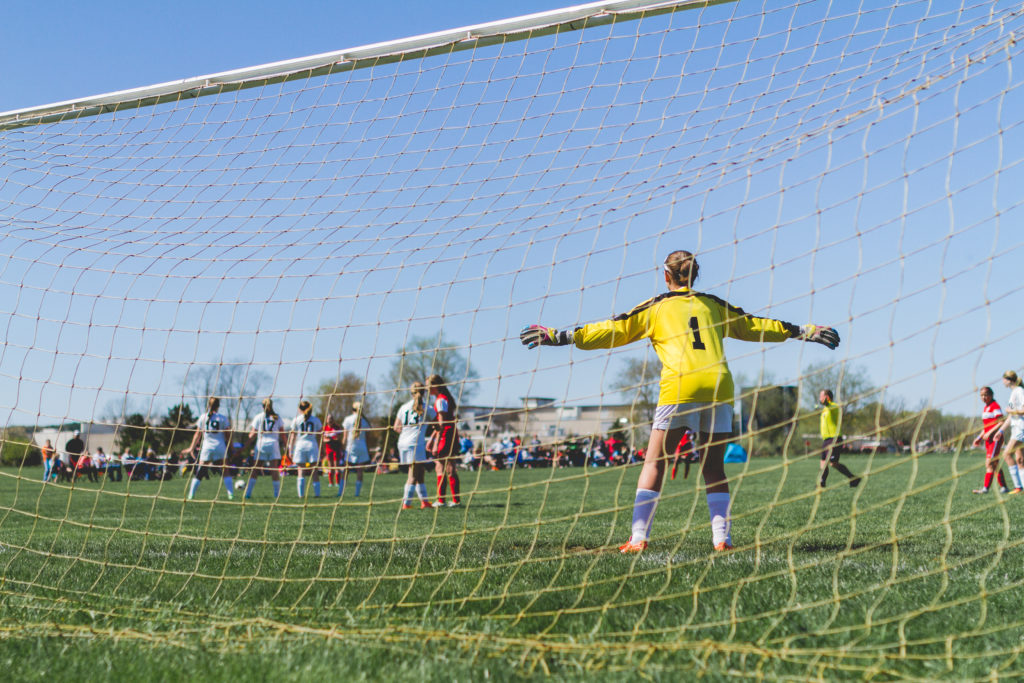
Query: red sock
point(1001, 478)
point(988, 478)
point(441, 486)
point(453, 481)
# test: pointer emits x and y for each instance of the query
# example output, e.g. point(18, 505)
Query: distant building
point(94, 435)
point(544, 417)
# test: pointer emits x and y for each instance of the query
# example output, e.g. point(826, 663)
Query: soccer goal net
point(326, 231)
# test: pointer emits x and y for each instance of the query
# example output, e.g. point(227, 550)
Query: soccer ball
point(239, 484)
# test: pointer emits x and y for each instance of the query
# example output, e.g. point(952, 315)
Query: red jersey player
point(687, 452)
point(992, 437)
point(443, 442)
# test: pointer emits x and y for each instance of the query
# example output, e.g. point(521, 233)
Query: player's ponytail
point(212, 404)
point(1011, 377)
point(306, 408)
point(268, 408)
point(357, 408)
point(418, 393)
point(682, 267)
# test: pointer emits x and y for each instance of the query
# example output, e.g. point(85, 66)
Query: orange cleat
point(631, 547)
point(406, 506)
point(1016, 491)
point(425, 505)
point(723, 546)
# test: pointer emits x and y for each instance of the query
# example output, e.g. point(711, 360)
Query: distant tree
point(17, 448)
point(240, 388)
point(849, 383)
point(425, 356)
point(133, 432)
point(334, 397)
point(638, 381)
point(175, 429)
point(769, 417)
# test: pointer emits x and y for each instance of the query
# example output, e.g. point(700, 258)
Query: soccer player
point(687, 329)
point(333, 453)
point(443, 444)
point(357, 454)
point(1015, 421)
point(992, 437)
point(830, 440)
point(268, 433)
point(411, 425)
point(304, 447)
point(686, 451)
point(211, 437)
point(49, 459)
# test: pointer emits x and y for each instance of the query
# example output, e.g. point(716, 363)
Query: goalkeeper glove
point(825, 336)
point(538, 335)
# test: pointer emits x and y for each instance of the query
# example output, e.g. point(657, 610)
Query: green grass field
point(908, 576)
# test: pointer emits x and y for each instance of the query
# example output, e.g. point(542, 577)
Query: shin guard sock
point(453, 483)
point(250, 486)
point(300, 486)
point(644, 505)
point(718, 508)
point(316, 488)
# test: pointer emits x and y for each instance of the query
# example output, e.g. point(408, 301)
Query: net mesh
point(334, 236)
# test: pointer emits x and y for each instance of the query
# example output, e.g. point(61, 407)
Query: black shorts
point(830, 449)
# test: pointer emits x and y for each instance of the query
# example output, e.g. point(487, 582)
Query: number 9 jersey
point(687, 330)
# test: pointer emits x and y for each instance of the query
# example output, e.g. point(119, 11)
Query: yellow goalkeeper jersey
point(687, 330)
point(830, 421)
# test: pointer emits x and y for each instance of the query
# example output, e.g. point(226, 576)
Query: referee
point(830, 439)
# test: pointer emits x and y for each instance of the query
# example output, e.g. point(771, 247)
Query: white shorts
point(305, 457)
point(709, 418)
point(408, 456)
point(268, 453)
point(1017, 433)
point(359, 457)
point(212, 455)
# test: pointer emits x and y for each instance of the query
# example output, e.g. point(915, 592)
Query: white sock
point(1015, 476)
point(407, 494)
point(316, 488)
point(718, 507)
point(193, 487)
point(421, 491)
point(250, 485)
point(277, 488)
point(229, 484)
point(359, 487)
point(643, 514)
point(301, 484)
point(341, 487)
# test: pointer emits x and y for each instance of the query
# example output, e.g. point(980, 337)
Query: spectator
point(74, 449)
point(113, 468)
point(49, 460)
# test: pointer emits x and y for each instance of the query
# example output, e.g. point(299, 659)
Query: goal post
point(306, 239)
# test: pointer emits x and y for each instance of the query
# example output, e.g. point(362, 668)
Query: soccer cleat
point(1016, 491)
point(231, 496)
point(1004, 490)
point(723, 546)
point(982, 490)
point(855, 482)
point(454, 504)
point(438, 504)
point(406, 506)
point(425, 505)
point(631, 547)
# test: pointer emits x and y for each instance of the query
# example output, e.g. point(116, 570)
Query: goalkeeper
point(687, 329)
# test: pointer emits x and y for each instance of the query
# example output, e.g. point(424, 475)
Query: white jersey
point(306, 446)
point(1016, 402)
point(414, 427)
point(268, 430)
point(215, 444)
point(355, 449)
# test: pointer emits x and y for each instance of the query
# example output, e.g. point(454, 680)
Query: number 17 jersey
point(687, 330)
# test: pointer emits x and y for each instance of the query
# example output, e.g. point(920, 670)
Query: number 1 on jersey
point(698, 345)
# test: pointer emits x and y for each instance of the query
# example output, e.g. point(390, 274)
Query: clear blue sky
point(309, 229)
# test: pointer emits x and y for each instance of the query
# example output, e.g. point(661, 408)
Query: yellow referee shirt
point(687, 330)
point(830, 421)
